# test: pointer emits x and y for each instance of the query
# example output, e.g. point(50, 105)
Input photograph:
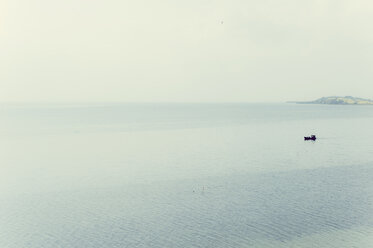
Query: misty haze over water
point(185, 175)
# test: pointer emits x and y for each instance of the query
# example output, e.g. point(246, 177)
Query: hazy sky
point(191, 50)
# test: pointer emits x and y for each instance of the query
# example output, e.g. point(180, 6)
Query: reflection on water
point(241, 177)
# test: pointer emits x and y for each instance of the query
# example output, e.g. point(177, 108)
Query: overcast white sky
point(188, 51)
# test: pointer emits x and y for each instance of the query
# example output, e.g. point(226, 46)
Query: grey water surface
point(185, 175)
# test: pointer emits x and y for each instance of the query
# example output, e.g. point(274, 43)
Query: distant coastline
point(338, 100)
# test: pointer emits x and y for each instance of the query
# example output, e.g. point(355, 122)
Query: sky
point(184, 51)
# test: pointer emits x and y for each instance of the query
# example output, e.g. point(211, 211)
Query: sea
point(169, 175)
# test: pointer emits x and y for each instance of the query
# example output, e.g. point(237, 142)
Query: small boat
point(313, 137)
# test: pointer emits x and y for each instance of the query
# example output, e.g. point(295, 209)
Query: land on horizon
point(338, 100)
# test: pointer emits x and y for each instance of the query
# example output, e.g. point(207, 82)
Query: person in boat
point(313, 137)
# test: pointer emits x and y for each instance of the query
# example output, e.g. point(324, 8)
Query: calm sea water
point(185, 175)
